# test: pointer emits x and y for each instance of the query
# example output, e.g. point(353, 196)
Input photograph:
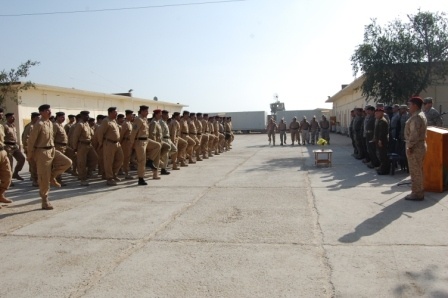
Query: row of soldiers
point(379, 132)
point(111, 145)
point(307, 130)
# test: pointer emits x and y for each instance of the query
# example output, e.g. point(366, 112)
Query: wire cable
point(118, 9)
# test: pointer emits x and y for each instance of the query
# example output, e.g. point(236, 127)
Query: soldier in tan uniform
point(5, 167)
point(294, 128)
point(271, 130)
point(227, 132)
point(185, 135)
point(25, 135)
point(218, 135)
point(415, 136)
point(82, 145)
point(195, 135)
point(50, 163)
point(202, 128)
point(60, 139)
point(139, 140)
point(12, 146)
point(70, 151)
point(166, 141)
point(96, 145)
point(108, 136)
point(208, 124)
point(180, 143)
point(125, 139)
point(282, 130)
point(71, 122)
point(155, 146)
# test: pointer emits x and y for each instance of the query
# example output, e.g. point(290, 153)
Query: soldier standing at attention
point(228, 132)
point(71, 121)
point(60, 139)
point(166, 142)
point(196, 135)
point(155, 135)
point(25, 135)
point(82, 145)
point(202, 127)
point(415, 135)
point(12, 146)
point(351, 132)
point(370, 138)
point(305, 130)
point(125, 140)
point(314, 129)
point(432, 115)
point(50, 163)
point(271, 129)
point(211, 134)
point(180, 143)
point(5, 167)
point(139, 141)
point(294, 127)
point(108, 136)
point(404, 116)
point(325, 129)
point(70, 151)
point(381, 136)
point(282, 130)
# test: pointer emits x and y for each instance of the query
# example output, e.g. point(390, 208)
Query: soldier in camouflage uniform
point(432, 115)
point(415, 135)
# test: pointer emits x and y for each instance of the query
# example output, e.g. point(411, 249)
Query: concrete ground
point(258, 221)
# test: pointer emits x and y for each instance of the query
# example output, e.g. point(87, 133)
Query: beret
point(144, 108)
point(111, 109)
point(85, 113)
point(428, 100)
point(43, 107)
point(416, 100)
point(127, 112)
point(34, 114)
point(60, 114)
point(157, 111)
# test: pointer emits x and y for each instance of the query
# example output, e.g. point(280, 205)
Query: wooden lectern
point(435, 165)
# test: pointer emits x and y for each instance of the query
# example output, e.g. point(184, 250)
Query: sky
point(213, 57)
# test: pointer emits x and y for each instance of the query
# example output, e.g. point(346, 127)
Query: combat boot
point(183, 163)
point(3, 199)
point(141, 181)
point(16, 176)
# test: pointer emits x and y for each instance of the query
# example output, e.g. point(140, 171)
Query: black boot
point(164, 172)
point(142, 182)
point(150, 164)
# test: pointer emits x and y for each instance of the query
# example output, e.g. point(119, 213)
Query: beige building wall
point(350, 97)
point(72, 101)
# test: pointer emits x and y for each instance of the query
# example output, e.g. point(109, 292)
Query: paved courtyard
point(258, 221)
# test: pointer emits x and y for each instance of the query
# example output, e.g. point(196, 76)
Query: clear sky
point(213, 57)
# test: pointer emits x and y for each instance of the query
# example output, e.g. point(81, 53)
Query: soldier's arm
point(32, 141)
point(76, 135)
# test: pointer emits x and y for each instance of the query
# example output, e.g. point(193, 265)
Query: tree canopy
point(12, 79)
point(403, 58)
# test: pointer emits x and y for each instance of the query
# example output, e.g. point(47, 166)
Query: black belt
point(142, 139)
point(112, 141)
point(166, 137)
point(199, 134)
point(1, 148)
point(10, 143)
point(48, 147)
point(184, 133)
point(85, 142)
point(126, 139)
point(62, 144)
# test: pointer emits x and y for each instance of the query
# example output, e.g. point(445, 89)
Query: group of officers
point(111, 145)
point(304, 132)
point(399, 130)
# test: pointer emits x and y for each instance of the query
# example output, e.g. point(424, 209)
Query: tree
point(10, 84)
point(403, 58)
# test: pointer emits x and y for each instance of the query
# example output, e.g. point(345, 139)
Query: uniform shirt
point(358, 125)
point(192, 127)
point(324, 124)
point(272, 126)
point(125, 131)
point(282, 126)
point(433, 117)
point(381, 132)
point(394, 125)
point(108, 131)
point(71, 131)
point(205, 127)
point(60, 136)
point(155, 131)
point(67, 127)
point(211, 127)
point(26, 134)
point(2, 136)
point(140, 128)
point(174, 130)
point(10, 133)
point(415, 129)
point(369, 127)
point(216, 127)
point(304, 125)
point(294, 125)
point(198, 125)
point(314, 125)
point(41, 136)
point(229, 130)
point(82, 133)
point(403, 118)
point(183, 127)
point(165, 130)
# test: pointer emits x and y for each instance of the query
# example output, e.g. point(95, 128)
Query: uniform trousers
point(204, 143)
point(415, 162)
point(50, 164)
point(325, 134)
point(271, 137)
point(14, 151)
point(127, 152)
point(295, 136)
point(140, 152)
point(305, 136)
point(32, 167)
point(164, 155)
point(113, 158)
point(86, 159)
point(5, 172)
point(153, 152)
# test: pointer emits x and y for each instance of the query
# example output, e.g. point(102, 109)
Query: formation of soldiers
point(108, 146)
point(304, 132)
point(377, 133)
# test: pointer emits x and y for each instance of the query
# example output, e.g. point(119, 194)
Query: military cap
point(427, 100)
point(379, 109)
point(165, 112)
point(217, 117)
point(358, 109)
point(403, 106)
point(35, 114)
point(100, 117)
point(9, 114)
point(111, 109)
point(60, 114)
point(119, 116)
point(370, 108)
point(157, 111)
point(304, 117)
point(205, 115)
point(85, 113)
point(43, 107)
point(416, 100)
point(91, 119)
point(127, 112)
point(176, 114)
point(1, 110)
point(314, 116)
point(396, 106)
point(192, 114)
point(144, 108)
point(185, 112)
point(198, 114)
point(71, 116)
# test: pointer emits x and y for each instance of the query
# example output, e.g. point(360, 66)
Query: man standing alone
point(415, 136)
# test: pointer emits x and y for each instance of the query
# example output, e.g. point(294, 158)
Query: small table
point(326, 152)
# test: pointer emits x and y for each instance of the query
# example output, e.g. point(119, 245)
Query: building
point(350, 97)
point(72, 101)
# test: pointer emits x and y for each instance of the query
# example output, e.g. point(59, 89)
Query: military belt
point(47, 147)
point(199, 134)
point(166, 137)
point(62, 144)
point(85, 142)
point(142, 139)
point(112, 141)
point(184, 133)
point(10, 143)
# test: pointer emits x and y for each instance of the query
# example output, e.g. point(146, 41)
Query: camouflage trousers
point(415, 162)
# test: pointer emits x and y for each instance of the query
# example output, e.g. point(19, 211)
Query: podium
point(435, 165)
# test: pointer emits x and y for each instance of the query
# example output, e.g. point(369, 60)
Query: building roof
point(347, 90)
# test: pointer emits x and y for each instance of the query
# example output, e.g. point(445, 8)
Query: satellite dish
point(275, 96)
point(155, 98)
